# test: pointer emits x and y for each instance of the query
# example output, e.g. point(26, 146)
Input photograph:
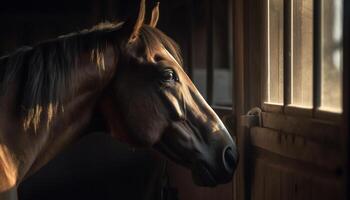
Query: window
point(304, 66)
point(294, 145)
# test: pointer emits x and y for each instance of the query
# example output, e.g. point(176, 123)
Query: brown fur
point(50, 92)
point(48, 78)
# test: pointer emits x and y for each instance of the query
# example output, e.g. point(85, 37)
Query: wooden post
point(210, 52)
point(287, 51)
point(346, 99)
point(316, 57)
point(239, 99)
point(191, 18)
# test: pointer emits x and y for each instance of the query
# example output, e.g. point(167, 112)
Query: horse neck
point(31, 150)
point(79, 110)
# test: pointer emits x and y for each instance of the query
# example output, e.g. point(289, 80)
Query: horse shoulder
point(8, 170)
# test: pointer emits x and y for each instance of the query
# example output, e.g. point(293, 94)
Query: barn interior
point(275, 71)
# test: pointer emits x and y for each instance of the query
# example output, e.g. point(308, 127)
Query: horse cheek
point(114, 123)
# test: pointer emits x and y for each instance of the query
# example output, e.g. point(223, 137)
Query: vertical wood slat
point(265, 45)
point(302, 187)
point(240, 98)
point(258, 180)
point(287, 180)
point(272, 183)
point(346, 99)
point(321, 189)
point(287, 49)
point(210, 51)
point(229, 33)
point(191, 18)
point(316, 98)
point(230, 43)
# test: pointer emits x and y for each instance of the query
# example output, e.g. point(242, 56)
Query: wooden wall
point(289, 154)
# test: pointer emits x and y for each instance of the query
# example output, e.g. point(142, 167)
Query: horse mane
point(44, 72)
point(152, 38)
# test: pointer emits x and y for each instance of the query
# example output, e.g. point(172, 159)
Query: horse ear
point(133, 26)
point(155, 16)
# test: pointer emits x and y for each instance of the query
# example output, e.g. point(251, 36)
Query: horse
point(128, 72)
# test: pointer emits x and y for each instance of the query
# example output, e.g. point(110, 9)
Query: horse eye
point(157, 58)
point(168, 75)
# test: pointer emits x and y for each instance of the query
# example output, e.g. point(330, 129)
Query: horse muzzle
point(211, 174)
point(212, 157)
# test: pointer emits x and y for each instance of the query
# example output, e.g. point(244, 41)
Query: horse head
point(153, 103)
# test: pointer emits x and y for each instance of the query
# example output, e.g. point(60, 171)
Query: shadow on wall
point(96, 167)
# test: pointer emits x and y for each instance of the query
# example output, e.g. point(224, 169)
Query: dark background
point(98, 167)
point(186, 21)
point(28, 22)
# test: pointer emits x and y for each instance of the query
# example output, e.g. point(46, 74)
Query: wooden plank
point(254, 51)
point(258, 180)
point(240, 106)
point(316, 55)
point(295, 181)
point(272, 183)
point(328, 133)
point(329, 116)
point(264, 49)
point(229, 4)
point(190, 41)
point(287, 183)
point(297, 147)
point(322, 189)
point(287, 32)
point(295, 186)
point(297, 111)
point(269, 107)
point(302, 187)
point(210, 53)
point(346, 99)
point(293, 165)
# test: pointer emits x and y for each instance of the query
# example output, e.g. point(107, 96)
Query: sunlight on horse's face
point(160, 107)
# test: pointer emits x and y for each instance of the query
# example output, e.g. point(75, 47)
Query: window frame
point(250, 22)
point(287, 108)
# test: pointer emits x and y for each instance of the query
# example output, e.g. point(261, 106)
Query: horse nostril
point(229, 160)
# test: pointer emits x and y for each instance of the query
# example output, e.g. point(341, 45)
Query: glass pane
point(302, 53)
point(275, 50)
point(331, 55)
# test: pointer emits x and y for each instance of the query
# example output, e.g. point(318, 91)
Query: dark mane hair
point(44, 73)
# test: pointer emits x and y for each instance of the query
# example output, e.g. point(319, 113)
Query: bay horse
point(129, 72)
